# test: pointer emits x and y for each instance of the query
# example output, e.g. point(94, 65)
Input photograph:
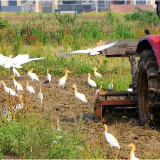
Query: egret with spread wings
point(95, 50)
point(17, 61)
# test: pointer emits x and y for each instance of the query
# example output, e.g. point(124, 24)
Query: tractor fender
point(150, 42)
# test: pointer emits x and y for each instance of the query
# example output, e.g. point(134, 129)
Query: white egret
point(112, 141)
point(17, 85)
point(30, 88)
point(98, 90)
point(80, 96)
point(15, 72)
point(17, 61)
point(132, 155)
point(8, 90)
point(90, 81)
point(20, 105)
point(96, 73)
point(58, 126)
point(48, 76)
point(40, 95)
point(62, 81)
point(93, 51)
point(110, 87)
point(33, 75)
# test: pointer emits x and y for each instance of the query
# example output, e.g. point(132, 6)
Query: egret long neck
point(27, 86)
point(100, 88)
point(75, 90)
point(66, 76)
point(88, 78)
point(5, 86)
point(132, 152)
point(14, 80)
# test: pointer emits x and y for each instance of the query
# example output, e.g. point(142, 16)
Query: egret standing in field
point(20, 105)
point(40, 95)
point(132, 155)
point(90, 81)
point(8, 90)
point(30, 88)
point(96, 94)
point(112, 141)
point(15, 72)
point(58, 126)
point(96, 73)
point(33, 75)
point(62, 80)
point(93, 51)
point(80, 96)
point(48, 76)
point(17, 85)
point(110, 87)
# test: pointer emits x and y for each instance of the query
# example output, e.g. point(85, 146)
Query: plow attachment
point(126, 101)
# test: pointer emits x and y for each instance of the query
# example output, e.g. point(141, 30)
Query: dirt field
point(61, 103)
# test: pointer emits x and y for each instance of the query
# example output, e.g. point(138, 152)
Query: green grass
point(35, 137)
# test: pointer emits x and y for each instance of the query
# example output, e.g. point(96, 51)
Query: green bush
point(143, 16)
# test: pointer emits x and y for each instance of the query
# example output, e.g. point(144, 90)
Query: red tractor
point(145, 97)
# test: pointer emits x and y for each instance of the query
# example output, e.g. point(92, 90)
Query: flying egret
point(33, 75)
point(8, 90)
point(132, 155)
point(80, 96)
point(96, 73)
point(15, 72)
point(30, 88)
point(93, 51)
point(48, 77)
point(40, 95)
point(62, 81)
point(112, 141)
point(98, 90)
point(17, 61)
point(110, 87)
point(17, 85)
point(90, 81)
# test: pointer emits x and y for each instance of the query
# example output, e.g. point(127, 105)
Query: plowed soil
point(61, 103)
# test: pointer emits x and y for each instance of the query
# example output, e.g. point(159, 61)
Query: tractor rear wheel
point(148, 83)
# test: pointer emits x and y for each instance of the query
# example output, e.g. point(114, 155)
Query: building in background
point(10, 5)
point(69, 6)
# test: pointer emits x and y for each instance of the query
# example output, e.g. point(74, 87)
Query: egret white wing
point(100, 48)
point(112, 140)
point(98, 75)
point(40, 96)
point(80, 51)
point(22, 61)
point(20, 57)
point(96, 94)
point(62, 81)
point(81, 97)
point(92, 83)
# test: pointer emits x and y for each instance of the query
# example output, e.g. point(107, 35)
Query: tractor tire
point(148, 84)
